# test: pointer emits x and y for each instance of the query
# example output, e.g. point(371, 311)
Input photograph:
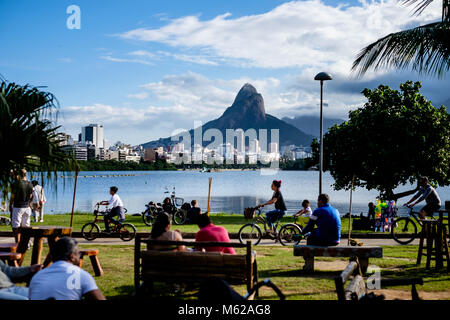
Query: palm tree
point(28, 137)
point(425, 48)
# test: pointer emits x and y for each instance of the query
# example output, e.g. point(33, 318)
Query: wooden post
point(209, 197)
point(350, 212)
point(137, 262)
point(73, 202)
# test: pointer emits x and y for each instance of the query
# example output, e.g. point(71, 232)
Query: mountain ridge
point(247, 112)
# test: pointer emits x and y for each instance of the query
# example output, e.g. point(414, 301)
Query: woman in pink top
point(210, 232)
point(161, 231)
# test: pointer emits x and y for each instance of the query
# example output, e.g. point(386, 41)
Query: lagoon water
point(231, 191)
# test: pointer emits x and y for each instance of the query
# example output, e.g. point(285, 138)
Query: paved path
point(116, 241)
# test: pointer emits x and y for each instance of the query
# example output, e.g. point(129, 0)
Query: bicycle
point(91, 230)
point(152, 210)
point(291, 233)
point(406, 227)
point(288, 233)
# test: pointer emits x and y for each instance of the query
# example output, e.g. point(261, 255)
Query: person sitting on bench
point(210, 232)
point(194, 212)
point(63, 279)
point(328, 222)
point(161, 231)
point(8, 291)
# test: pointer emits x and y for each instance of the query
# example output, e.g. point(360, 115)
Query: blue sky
point(146, 68)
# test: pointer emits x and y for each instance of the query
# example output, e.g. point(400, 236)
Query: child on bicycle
point(117, 208)
point(280, 208)
point(306, 212)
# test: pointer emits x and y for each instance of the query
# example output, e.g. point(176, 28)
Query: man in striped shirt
point(428, 193)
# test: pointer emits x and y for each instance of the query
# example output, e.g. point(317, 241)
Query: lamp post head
point(323, 76)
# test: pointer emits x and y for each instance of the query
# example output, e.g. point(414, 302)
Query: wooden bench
point(92, 254)
point(16, 259)
point(8, 247)
point(192, 267)
point(11, 258)
point(357, 289)
point(363, 254)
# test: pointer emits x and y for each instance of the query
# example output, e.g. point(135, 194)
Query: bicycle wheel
point(403, 230)
point(127, 232)
point(149, 216)
point(290, 234)
point(250, 231)
point(90, 231)
point(179, 217)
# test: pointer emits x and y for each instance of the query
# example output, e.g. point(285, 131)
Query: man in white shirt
point(38, 202)
point(64, 280)
point(116, 208)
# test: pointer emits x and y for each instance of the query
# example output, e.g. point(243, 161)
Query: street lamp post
point(322, 76)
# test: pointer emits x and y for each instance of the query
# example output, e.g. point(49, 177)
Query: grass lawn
point(279, 264)
point(232, 222)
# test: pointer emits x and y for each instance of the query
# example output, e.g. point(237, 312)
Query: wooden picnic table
point(38, 233)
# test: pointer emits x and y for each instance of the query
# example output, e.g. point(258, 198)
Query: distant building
point(79, 152)
point(253, 146)
point(64, 139)
point(91, 152)
point(93, 133)
point(105, 144)
point(123, 155)
point(240, 143)
point(112, 155)
point(273, 147)
point(150, 154)
point(133, 157)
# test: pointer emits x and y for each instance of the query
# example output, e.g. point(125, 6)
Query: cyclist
point(116, 208)
point(428, 193)
point(280, 208)
point(328, 221)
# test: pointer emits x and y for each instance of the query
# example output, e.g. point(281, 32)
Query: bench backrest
point(193, 266)
point(175, 266)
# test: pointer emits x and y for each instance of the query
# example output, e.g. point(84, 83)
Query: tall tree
point(28, 137)
point(425, 48)
point(396, 137)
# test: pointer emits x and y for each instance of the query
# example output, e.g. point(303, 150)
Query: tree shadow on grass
point(297, 273)
point(123, 293)
point(416, 272)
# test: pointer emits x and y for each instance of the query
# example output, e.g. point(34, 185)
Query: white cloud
point(149, 58)
point(139, 96)
point(295, 34)
point(198, 59)
point(204, 98)
point(141, 61)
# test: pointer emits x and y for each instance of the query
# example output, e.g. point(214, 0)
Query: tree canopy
point(396, 137)
point(28, 137)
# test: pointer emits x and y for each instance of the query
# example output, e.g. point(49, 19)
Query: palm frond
point(426, 49)
point(28, 133)
point(421, 5)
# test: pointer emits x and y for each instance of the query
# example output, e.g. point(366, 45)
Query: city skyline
point(92, 145)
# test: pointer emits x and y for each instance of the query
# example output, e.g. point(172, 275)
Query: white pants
point(38, 214)
point(21, 217)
